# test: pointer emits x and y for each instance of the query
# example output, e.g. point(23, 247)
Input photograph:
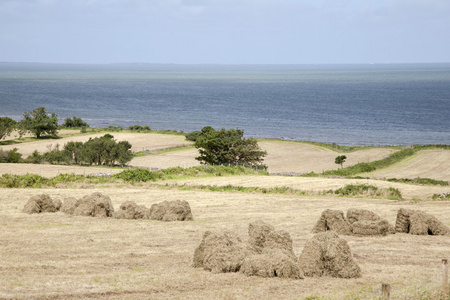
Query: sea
point(358, 104)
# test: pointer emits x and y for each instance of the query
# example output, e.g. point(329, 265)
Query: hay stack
point(419, 223)
point(355, 215)
point(220, 252)
point(171, 211)
point(326, 254)
point(264, 236)
point(274, 256)
point(130, 210)
point(333, 220)
point(69, 205)
point(366, 222)
point(95, 205)
point(41, 203)
point(271, 263)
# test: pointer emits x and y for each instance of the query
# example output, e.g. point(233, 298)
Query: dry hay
point(69, 205)
point(419, 223)
point(274, 254)
point(41, 203)
point(326, 254)
point(366, 222)
point(220, 252)
point(171, 211)
point(333, 220)
point(130, 210)
point(271, 262)
point(264, 236)
point(95, 205)
point(358, 222)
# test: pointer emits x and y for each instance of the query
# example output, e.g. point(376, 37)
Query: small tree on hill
point(39, 122)
point(340, 160)
point(7, 125)
point(217, 147)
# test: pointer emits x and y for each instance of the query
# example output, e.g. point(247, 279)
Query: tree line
point(38, 122)
point(96, 151)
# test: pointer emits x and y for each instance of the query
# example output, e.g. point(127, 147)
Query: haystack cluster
point(363, 222)
point(269, 253)
point(420, 223)
point(99, 205)
point(358, 222)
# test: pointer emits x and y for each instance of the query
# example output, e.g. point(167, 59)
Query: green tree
point(7, 125)
point(340, 160)
point(218, 147)
point(39, 122)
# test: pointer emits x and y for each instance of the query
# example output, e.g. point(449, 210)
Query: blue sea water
point(392, 104)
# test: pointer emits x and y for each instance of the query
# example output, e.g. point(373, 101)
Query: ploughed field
point(60, 256)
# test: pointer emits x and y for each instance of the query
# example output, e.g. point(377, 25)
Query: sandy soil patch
point(304, 158)
point(57, 256)
point(316, 184)
point(139, 141)
point(433, 164)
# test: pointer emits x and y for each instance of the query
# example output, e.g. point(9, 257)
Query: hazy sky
point(225, 31)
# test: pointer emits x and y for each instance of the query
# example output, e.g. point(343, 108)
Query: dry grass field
point(285, 156)
point(426, 164)
point(313, 185)
point(57, 256)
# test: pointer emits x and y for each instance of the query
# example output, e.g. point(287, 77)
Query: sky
point(225, 31)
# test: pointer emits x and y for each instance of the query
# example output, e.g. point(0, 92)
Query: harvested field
point(284, 156)
point(59, 256)
point(314, 184)
point(54, 170)
point(433, 164)
point(180, 158)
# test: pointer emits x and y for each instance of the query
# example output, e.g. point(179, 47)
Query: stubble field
point(59, 256)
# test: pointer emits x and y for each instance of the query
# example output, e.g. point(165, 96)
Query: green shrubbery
point(11, 156)
point(74, 122)
point(99, 151)
point(368, 190)
point(143, 175)
point(139, 128)
point(419, 180)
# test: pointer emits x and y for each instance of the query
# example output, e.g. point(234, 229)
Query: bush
point(22, 181)
point(138, 175)
point(11, 156)
point(139, 128)
point(74, 123)
point(35, 158)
